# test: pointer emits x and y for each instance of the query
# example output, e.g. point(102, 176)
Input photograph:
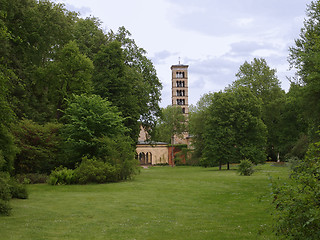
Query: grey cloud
point(221, 18)
point(160, 57)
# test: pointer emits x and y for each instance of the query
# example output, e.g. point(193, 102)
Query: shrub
point(297, 212)
point(5, 208)
point(32, 178)
point(5, 193)
point(62, 176)
point(18, 190)
point(96, 171)
point(245, 167)
point(39, 147)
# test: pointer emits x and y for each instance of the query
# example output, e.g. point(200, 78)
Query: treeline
point(70, 91)
point(254, 118)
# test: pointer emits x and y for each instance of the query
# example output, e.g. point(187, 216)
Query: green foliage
point(233, 129)
point(18, 190)
point(245, 167)
point(5, 193)
point(89, 36)
point(39, 147)
point(264, 84)
point(32, 178)
point(8, 149)
point(141, 76)
point(120, 153)
point(305, 57)
point(39, 29)
point(69, 74)
point(297, 213)
point(62, 176)
point(197, 116)
point(96, 171)
point(10, 188)
point(88, 118)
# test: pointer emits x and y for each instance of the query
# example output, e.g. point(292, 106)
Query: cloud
point(161, 57)
point(221, 18)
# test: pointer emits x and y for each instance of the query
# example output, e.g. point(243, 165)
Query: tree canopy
point(233, 129)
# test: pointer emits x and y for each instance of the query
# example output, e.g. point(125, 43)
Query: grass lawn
point(160, 203)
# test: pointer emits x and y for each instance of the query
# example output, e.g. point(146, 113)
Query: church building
point(159, 152)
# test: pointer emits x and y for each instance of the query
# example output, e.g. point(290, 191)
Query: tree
point(39, 29)
point(146, 91)
point(7, 148)
point(264, 84)
point(69, 74)
point(89, 36)
point(39, 147)
point(297, 213)
point(197, 116)
point(234, 129)
point(88, 122)
point(305, 57)
point(293, 126)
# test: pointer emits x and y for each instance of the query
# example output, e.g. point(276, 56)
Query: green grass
point(160, 203)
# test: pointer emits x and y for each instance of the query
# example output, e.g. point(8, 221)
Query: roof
point(151, 143)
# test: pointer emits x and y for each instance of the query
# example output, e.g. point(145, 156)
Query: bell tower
point(180, 96)
point(180, 87)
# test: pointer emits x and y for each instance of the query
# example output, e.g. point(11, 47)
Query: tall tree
point(119, 83)
point(148, 85)
point(89, 36)
point(197, 116)
point(305, 57)
point(69, 74)
point(39, 29)
point(234, 129)
point(264, 84)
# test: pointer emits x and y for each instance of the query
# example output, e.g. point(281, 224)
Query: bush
point(18, 190)
point(5, 194)
point(39, 147)
point(9, 188)
point(245, 167)
point(32, 178)
point(5, 208)
point(297, 212)
point(96, 171)
point(62, 176)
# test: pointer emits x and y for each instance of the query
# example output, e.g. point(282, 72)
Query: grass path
point(160, 203)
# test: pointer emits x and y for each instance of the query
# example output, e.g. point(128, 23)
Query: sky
point(213, 37)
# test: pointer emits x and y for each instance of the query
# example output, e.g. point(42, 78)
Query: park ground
point(159, 203)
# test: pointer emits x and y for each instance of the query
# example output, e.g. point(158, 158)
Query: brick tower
point(180, 94)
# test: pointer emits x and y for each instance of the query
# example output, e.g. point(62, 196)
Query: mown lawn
point(160, 203)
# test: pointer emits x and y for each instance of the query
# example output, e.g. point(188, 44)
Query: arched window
point(183, 110)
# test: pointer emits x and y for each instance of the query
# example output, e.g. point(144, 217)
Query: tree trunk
point(228, 164)
point(220, 166)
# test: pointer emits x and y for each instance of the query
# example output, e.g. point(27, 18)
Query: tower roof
point(179, 66)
